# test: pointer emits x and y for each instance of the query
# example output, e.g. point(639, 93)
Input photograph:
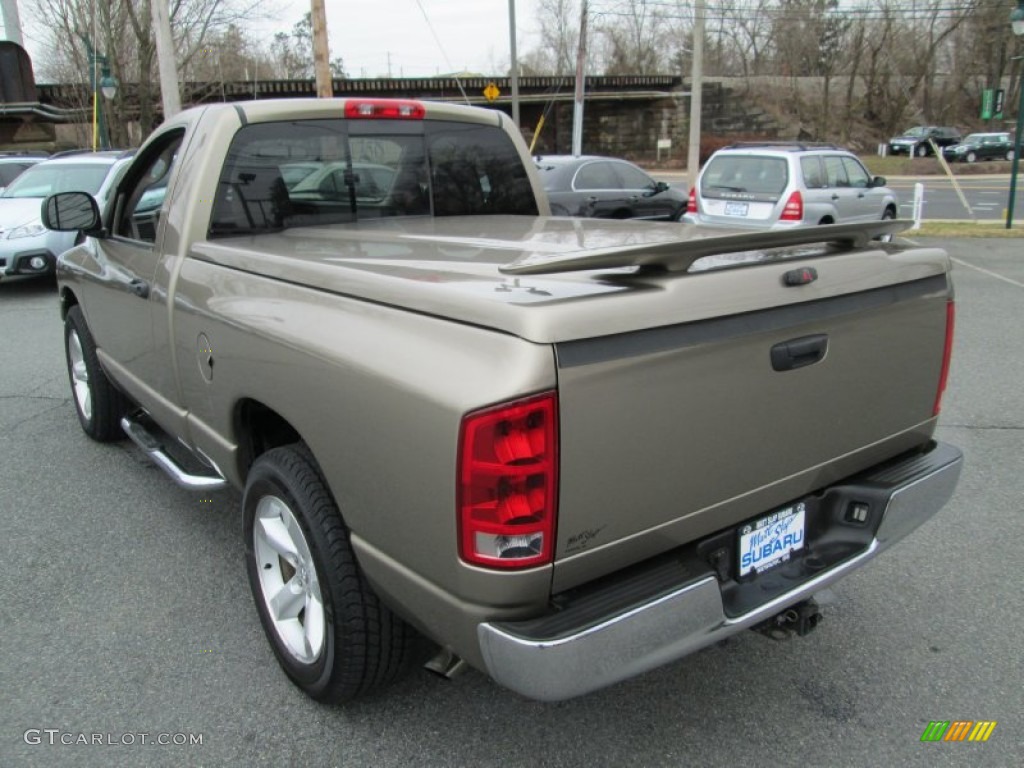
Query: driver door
point(120, 312)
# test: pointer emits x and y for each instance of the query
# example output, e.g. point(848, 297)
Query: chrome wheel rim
point(288, 580)
point(79, 375)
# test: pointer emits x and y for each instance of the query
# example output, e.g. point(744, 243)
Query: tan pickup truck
point(564, 451)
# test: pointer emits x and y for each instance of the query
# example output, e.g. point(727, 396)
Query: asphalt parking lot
point(126, 615)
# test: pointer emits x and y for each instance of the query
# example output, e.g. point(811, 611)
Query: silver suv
point(778, 186)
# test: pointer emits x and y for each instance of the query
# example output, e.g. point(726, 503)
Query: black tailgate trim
point(651, 341)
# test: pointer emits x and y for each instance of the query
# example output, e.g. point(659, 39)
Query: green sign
point(992, 103)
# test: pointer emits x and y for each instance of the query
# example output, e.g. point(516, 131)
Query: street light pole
point(1017, 22)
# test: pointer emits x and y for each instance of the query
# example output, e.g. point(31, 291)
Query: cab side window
point(140, 197)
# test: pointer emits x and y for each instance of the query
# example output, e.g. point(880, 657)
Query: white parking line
point(988, 272)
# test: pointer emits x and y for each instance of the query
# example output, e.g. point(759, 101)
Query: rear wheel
point(331, 634)
point(1009, 154)
point(98, 404)
point(921, 150)
point(971, 157)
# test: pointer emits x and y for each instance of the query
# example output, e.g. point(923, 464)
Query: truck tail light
point(508, 483)
point(385, 109)
point(691, 201)
point(947, 354)
point(794, 208)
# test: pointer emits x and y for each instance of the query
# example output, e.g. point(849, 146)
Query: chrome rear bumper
point(549, 661)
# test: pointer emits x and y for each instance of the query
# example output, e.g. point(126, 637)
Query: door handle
point(835, 196)
point(797, 353)
point(139, 287)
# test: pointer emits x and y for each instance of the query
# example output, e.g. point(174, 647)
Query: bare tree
point(559, 35)
point(292, 53)
point(121, 30)
point(634, 36)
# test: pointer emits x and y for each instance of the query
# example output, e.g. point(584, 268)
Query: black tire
point(921, 150)
point(971, 157)
point(98, 403)
point(887, 215)
point(358, 644)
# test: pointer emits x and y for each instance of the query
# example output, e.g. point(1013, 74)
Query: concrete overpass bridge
point(623, 115)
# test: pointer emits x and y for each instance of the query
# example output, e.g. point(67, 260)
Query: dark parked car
point(981, 146)
point(606, 188)
point(917, 141)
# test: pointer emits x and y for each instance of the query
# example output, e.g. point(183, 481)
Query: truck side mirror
point(71, 212)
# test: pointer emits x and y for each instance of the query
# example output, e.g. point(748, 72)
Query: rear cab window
point(333, 171)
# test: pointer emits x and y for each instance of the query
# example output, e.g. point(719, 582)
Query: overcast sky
point(473, 34)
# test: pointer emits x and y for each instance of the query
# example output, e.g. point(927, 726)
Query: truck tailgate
point(673, 433)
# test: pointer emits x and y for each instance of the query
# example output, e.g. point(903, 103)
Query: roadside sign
point(491, 92)
point(992, 103)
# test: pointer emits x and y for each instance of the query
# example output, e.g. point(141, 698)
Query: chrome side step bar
point(149, 443)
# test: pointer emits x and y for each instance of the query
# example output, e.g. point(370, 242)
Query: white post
point(918, 204)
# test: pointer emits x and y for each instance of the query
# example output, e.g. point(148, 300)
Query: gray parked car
point(26, 246)
point(779, 186)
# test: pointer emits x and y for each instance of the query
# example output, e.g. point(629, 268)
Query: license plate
point(736, 209)
point(771, 540)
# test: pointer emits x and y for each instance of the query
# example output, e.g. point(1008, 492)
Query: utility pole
point(321, 51)
point(514, 59)
point(165, 60)
point(696, 89)
point(581, 66)
point(12, 24)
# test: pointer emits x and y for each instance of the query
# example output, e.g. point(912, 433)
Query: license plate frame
point(771, 540)
point(737, 209)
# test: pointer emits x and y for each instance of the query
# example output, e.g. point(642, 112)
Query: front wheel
point(98, 403)
point(971, 157)
point(331, 634)
point(1009, 154)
